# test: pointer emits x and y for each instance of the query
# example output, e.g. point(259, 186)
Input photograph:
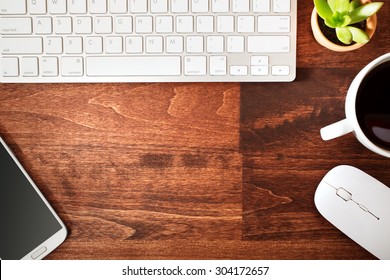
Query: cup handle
point(335, 130)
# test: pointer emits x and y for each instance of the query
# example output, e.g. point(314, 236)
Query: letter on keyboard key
point(138, 6)
point(179, 6)
point(36, 7)
point(159, 6)
point(200, 6)
point(77, 7)
point(18, 45)
point(118, 6)
point(12, 7)
point(133, 66)
point(57, 6)
point(268, 44)
point(97, 6)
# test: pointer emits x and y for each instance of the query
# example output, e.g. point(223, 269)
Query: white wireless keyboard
point(66, 41)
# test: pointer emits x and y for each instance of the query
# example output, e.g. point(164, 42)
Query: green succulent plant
point(341, 14)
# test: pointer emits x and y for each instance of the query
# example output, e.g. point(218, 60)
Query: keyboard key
point(97, 6)
point(235, 44)
point(53, 45)
point(114, 45)
point(240, 6)
point(195, 44)
point(225, 24)
point(220, 6)
point(179, 6)
point(174, 44)
point(259, 70)
point(238, 70)
point(19, 45)
point(12, 7)
point(280, 70)
point(16, 26)
point(259, 60)
point(204, 24)
point(76, 7)
point(123, 25)
point(246, 24)
point(72, 66)
point(218, 65)
point(43, 25)
point(143, 25)
point(195, 65)
point(184, 24)
point(200, 6)
point(273, 24)
point(164, 24)
point(36, 7)
point(268, 44)
point(215, 44)
point(154, 44)
point(281, 6)
point(159, 6)
point(134, 44)
point(103, 25)
point(138, 6)
point(83, 25)
point(261, 6)
point(49, 66)
point(63, 25)
point(57, 6)
point(29, 66)
point(10, 67)
point(133, 66)
point(94, 45)
point(73, 45)
point(118, 6)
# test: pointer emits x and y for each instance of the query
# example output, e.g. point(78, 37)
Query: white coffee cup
point(350, 123)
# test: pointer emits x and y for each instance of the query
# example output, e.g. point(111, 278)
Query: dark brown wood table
point(195, 170)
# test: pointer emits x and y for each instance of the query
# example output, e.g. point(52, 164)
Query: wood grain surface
point(195, 170)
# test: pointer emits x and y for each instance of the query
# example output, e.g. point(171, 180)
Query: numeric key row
point(20, 7)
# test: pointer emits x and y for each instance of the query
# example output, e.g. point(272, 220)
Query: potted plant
point(344, 25)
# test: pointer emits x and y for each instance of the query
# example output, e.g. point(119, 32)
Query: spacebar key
point(133, 66)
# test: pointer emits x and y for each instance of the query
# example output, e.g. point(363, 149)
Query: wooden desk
point(195, 171)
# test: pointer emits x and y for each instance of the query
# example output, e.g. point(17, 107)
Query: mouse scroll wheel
point(344, 194)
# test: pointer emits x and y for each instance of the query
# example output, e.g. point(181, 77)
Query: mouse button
point(379, 201)
point(344, 194)
point(339, 176)
point(321, 198)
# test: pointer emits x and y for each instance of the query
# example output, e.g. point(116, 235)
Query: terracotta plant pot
point(322, 40)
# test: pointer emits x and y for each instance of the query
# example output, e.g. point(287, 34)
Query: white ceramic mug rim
point(350, 108)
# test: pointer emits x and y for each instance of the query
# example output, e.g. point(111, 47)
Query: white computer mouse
point(359, 206)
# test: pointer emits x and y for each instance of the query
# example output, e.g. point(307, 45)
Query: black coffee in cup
point(373, 105)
